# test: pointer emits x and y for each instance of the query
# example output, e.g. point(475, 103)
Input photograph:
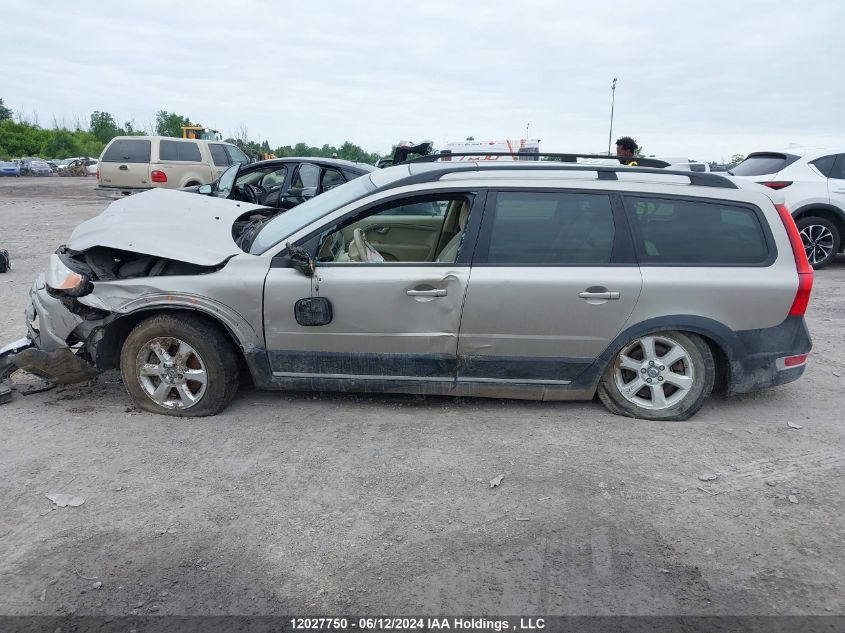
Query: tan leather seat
point(450, 251)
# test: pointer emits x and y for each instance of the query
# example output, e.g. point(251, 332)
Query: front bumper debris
point(10, 350)
point(61, 366)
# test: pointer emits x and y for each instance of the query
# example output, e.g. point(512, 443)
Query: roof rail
point(446, 156)
point(604, 172)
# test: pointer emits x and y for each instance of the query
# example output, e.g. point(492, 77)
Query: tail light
point(158, 176)
point(776, 184)
point(805, 271)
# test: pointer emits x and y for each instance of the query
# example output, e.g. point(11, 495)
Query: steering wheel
point(251, 193)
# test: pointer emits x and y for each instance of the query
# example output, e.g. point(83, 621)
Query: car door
point(836, 183)
point(553, 282)
point(391, 321)
point(302, 186)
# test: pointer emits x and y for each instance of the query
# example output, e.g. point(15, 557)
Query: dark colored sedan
point(283, 183)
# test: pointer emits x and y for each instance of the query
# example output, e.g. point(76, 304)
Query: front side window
point(179, 151)
point(547, 229)
point(398, 233)
point(127, 151)
point(236, 155)
point(838, 170)
point(686, 232)
point(308, 175)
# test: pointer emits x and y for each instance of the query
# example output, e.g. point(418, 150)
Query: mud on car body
point(536, 281)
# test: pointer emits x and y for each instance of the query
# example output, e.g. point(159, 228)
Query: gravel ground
point(329, 503)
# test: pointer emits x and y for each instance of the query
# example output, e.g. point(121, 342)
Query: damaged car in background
point(586, 279)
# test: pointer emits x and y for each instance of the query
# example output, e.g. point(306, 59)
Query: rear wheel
point(821, 240)
point(182, 366)
point(661, 376)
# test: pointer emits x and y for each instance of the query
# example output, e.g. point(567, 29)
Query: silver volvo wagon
point(647, 287)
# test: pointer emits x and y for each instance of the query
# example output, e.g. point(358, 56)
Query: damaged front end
point(110, 274)
point(63, 318)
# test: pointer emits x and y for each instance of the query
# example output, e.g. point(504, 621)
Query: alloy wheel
point(818, 242)
point(171, 373)
point(654, 372)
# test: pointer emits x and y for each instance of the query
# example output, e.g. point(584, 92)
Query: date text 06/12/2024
point(422, 623)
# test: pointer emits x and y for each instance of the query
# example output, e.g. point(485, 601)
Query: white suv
point(812, 182)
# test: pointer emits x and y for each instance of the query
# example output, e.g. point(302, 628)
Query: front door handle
point(434, 292)
point(839, 191)
point(609, 294)
point(123, 168)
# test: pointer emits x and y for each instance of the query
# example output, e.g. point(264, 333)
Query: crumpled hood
point(164, 223)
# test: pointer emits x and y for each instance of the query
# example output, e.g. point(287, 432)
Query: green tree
point(170, 123)
point(103, 126)
point(61, 144)
point(736, 159)
point(5, 113)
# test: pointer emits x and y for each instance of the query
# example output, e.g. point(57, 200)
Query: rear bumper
point(758, 363)
point(115, 193)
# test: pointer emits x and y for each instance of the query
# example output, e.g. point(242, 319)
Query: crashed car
point(282, 182)
point(536, 280)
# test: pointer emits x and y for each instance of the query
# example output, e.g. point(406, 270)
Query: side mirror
point(205, 190)
point(300, 259)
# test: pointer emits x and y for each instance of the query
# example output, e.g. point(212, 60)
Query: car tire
point(165, 360)
point(634, 385)
point(821, 240)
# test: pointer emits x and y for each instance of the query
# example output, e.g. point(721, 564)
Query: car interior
point(422, 231)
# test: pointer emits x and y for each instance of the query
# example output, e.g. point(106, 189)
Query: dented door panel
point(378, 329)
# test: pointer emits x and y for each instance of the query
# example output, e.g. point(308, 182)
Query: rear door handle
point(610, 294)
point(839, 191)
point(434, 292)
point(123, 168)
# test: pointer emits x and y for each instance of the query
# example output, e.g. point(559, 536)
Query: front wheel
point(183, 366)
point(821, 240)
point(660, 376)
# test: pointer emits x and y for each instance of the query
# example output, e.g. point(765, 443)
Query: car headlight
point(64, 280)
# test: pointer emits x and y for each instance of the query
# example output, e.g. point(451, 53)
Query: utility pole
point(612, 104)
point(527, 125)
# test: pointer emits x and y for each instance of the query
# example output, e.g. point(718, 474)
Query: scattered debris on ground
point(63, 500)
point(496, 481)
point(709, 476)
point(792, 425)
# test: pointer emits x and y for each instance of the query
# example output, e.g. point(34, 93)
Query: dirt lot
point(372, 505)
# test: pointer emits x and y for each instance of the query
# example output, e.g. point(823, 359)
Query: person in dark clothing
point(626, 147)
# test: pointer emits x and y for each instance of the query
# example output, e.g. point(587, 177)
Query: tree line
point(20, 136)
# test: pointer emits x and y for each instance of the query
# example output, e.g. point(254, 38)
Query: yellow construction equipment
point(201, 132)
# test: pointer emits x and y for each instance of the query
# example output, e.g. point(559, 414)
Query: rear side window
point(128, 151)
point(178, 150)
point(686, 232)
point(763, 164)
point(218, 155)
point(548, 228)
point(331, 178)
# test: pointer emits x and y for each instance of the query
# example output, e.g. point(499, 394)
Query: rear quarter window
point(128, 151)
point(690, 233)
point(218, 155)
point(179, 150)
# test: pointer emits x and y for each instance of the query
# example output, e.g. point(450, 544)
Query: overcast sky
point(700, 79)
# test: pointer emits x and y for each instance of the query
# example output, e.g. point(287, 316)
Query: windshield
point(310, 211)
point(224, 185)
